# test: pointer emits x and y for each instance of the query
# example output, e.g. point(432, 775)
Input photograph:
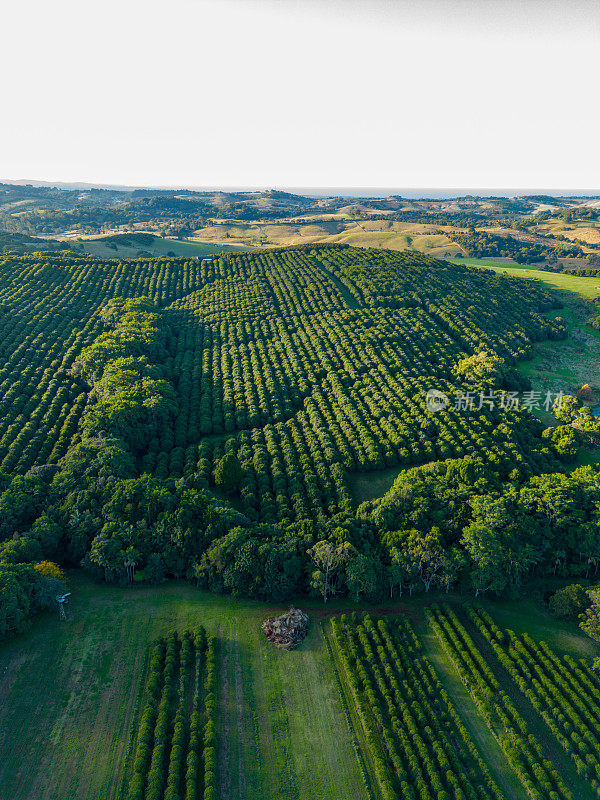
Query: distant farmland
point(130, 245)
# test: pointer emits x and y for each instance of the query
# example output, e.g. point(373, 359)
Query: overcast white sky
point(451, 93)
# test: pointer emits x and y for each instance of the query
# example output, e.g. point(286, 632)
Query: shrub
point(569, 602)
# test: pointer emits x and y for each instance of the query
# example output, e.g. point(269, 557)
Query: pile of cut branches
point(288, 630)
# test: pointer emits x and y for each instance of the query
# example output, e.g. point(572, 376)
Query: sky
point(278, 93)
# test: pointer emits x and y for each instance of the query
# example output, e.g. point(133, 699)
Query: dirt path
point(234, 740)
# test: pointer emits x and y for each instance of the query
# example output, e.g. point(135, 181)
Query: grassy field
point(372, 484)
point(584, 230)
point(68, 700)
point(585, 287)
point(68, 694)
point(114, 247)
point(435, 245)
point(327, 228)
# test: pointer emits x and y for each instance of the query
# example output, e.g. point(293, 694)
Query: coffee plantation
point(204, 419)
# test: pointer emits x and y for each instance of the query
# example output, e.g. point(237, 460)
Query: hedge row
point(538, 776)
point(418, 749)
point(175, 743)
point(209, 754)
point(565, 692)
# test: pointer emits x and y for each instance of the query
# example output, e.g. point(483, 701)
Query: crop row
point(305, 390)
point(479, 311)
point(566, 692)
point(48, 314)
point(539, 777)
point(174, 755)
point(418, 748)
point(269, 361)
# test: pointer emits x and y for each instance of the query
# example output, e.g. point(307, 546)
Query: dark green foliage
point(179, 696)
point(565, 692)
point(522, 750)
point(17, 587)
point(480, 244)
point(139, 383)
point(590, 619)
point(418, 746)
point(228, 472)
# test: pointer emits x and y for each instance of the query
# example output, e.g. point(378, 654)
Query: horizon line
point(333, 191)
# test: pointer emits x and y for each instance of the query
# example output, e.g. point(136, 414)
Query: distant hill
point(137, 245)
point(188, 222)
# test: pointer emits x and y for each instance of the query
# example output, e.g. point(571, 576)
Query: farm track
point(238, 742)
point(471, 718)
point(128, 763)
point(224, 739)
point(239, 709)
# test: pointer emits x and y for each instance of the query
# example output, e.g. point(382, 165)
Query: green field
point(586, 287)
point(69, 694)
point(567, 364)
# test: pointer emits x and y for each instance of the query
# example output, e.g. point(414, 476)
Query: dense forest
point(203, 420)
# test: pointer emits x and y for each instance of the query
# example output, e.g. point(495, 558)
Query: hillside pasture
point(129, 246)
point(587, 231)
point(567, 364)
point(380, 234)
point(588, 288)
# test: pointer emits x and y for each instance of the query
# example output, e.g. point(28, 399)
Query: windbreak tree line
point(200, 419)
point(480, 244)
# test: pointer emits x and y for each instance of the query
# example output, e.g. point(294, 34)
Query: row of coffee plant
point(304, 388)
point(260, 339)
point(174, 757)
point(48, 313)
point(417, 745)
point(566, 692)
point(540, 778)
